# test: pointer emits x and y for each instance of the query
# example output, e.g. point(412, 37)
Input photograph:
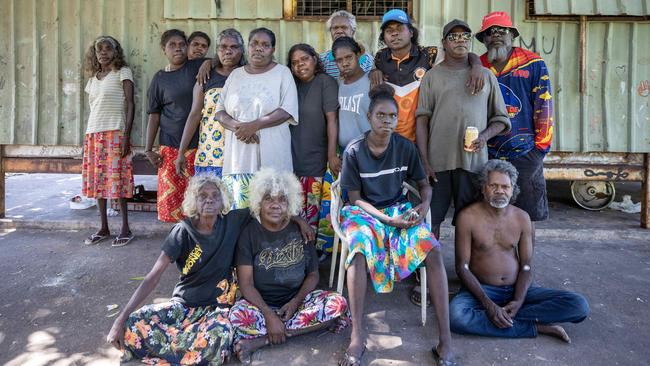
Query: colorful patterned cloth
point(104, 173)
point(171, 186)
point(212, 170)
point(526, 89)
point(325, 233)
point(238, 185)
point(210, 150)
point(312, 191)
point(172, 333)
point(318, 307)
point(392, 254)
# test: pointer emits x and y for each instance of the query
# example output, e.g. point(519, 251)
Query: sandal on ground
point(352, 360)
point(95, 239)
point(121, 241)
point(416, 296)
point(439, 361)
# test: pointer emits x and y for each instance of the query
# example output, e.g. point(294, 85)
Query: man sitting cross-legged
point(494, 262)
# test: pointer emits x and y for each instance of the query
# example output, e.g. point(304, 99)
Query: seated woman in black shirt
point(193, 327)
point(388, 237)
point(278, 272)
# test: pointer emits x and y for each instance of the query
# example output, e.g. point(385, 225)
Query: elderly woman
point(387, 236)
point(170, 102)
point(107, 171)
point(278, 272)
point(209, 154)
point(257, 104)
point(203, 248)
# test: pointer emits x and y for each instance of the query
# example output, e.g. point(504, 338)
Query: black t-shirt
point(170, 94)
point(309, 137)
point(216, 81)
point(280, 260)
point(379, 178)
point(412, 69)
point(205, 261)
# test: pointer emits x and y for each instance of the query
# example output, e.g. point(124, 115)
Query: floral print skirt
point(105, 173)
point(392, 254)
point(318, 307)
point(172, 333)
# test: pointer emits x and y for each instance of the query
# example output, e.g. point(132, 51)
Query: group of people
point(249, 147)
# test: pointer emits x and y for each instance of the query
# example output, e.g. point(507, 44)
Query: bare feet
point(244, 348)
point(555, 331)
point(355, 351)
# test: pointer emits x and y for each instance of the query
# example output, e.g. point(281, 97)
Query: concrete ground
point(55, 290)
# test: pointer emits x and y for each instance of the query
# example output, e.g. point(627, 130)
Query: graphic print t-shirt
point(205, 261)
point(280, 260)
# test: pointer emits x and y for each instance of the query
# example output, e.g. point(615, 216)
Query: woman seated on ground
point(193, 326)
point(278, 272)
point(386, 235)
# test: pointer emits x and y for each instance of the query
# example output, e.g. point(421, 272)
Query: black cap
point(451, 25)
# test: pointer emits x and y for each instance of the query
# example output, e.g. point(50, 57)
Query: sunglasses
point(498, 31)
point(463, 36)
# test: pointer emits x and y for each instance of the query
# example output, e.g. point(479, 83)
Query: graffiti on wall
point(547, 45)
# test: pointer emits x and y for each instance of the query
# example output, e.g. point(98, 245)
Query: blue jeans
point(541, 306)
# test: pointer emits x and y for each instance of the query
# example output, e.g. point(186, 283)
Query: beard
point(497, 53)
point(499, 202)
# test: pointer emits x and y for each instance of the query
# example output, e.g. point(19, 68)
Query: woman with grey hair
point(209, 154)
point(203, 247)
point(343, 24)
point(278, 272)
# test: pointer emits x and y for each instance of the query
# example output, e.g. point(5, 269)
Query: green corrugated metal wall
point(42, 45)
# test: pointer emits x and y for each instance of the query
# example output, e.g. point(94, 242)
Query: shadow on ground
point(55, 292)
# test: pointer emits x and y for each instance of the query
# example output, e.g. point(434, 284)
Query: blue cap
point(395, 15)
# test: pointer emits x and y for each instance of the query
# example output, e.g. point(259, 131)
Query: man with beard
point(343, 24)
point(494, 255)
point(526, 89)
point(445, 110)
point(403, 63)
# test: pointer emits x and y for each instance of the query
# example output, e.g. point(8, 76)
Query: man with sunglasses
point(526, 89)
point(403, 63)
point(445, 109)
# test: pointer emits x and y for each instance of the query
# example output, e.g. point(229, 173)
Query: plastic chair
point(336, 204)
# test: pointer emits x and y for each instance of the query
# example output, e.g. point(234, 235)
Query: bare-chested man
point(494, 262)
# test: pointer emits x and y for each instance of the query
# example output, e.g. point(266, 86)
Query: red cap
point(496, 18)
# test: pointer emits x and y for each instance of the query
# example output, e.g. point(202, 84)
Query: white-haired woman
point(195, 320)
point(278, 272)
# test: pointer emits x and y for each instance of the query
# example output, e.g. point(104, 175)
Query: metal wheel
point(593, 195)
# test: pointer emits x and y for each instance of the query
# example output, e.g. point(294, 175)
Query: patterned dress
point(209, 154)
point(318, 307)
point(178, 335)
point(392, 254)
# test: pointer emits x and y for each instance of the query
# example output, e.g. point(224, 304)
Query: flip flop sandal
point(352, 360)
point(441, 361)
point(121, 241)
point(416, 296)
point(95, 239)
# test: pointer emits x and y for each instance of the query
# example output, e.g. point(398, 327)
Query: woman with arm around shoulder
point(169, 103)
point(107, 172)
point(202, 246)
point(209, 154)
point(386, 235)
